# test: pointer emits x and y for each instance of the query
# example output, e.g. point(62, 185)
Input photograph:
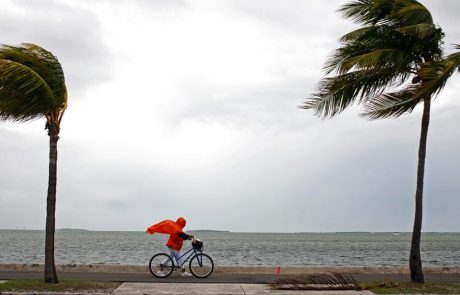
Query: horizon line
point(230, 231)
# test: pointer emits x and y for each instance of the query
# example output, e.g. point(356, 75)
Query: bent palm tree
point(32, 86)
point(390, 64)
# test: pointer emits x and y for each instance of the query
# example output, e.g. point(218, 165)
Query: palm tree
point(32, 86)
point(392, 63)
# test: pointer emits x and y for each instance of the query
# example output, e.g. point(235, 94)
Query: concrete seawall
point(117, 268)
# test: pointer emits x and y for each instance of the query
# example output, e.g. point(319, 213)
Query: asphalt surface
point(214, 278)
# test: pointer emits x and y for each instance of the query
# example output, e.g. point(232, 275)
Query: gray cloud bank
point(361, 179)
point(294, 172)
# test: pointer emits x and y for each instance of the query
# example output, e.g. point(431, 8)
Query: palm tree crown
point(397, 40)
point(32, 84)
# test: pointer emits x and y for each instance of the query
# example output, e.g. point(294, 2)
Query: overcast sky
point(190, 108)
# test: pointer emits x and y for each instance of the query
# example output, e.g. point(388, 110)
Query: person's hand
point(191, 237)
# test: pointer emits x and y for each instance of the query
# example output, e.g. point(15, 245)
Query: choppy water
point(293, 249)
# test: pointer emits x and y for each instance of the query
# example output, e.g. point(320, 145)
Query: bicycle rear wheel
point(161, 265)
point(201, 265)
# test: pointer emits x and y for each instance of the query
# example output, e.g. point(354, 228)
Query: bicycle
point(161, 265)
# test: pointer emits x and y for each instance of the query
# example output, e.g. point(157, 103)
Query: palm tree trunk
point(50, 268)
point(416, 272)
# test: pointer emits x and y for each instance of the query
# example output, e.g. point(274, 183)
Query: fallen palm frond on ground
point(324, 281)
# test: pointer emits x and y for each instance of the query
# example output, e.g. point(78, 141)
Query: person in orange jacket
point(175, 242)
point(176, 238)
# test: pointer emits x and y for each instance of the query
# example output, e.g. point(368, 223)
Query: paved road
point(214, 278)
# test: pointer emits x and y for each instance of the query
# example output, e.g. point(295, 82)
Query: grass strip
point(63, 286)
point(413, 288)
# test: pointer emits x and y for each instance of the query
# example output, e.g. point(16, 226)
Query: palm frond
point(31, 82)
point(367, 12)
point(336, 94)
point(326, 281)
point(376, 46)
point(356, 10)
point(391, 104)
point(420, 31)
point(353, 35)
point(378, 59)
point(435, 74)
point(389, 12)
point(409, 12)
point(24, 95)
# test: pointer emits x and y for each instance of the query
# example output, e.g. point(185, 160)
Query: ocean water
point(235, 249)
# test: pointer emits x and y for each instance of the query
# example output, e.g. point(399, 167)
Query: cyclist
point(176, 239)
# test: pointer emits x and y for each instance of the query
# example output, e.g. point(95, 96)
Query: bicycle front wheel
point(161, 265)
point(201, 265)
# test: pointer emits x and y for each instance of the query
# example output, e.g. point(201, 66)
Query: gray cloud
point(267, 106)
point(297, 17)
point(71, 33)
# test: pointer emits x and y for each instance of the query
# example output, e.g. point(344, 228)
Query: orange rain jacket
point(175, 231)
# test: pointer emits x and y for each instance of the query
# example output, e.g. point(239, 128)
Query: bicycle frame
point(191, 252)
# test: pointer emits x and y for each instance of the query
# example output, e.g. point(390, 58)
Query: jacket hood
point(181, 222)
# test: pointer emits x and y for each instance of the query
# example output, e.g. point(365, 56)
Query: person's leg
point(177, 256)
point(179, 260)
point(166, 261)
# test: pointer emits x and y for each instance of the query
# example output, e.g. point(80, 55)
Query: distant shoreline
point(119, 268)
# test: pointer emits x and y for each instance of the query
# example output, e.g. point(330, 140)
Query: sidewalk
point(217, 289)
